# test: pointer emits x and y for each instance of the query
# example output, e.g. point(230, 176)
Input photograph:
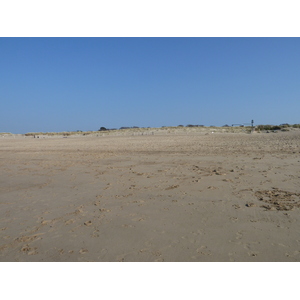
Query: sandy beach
point(183, 196)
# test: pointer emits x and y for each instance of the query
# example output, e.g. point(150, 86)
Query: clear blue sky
point(69, 84)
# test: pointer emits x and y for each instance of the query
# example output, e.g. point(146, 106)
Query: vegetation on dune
point(282, 127)
point(194, 125)
point(181, 128)
point(268, 127)
point(64, 133)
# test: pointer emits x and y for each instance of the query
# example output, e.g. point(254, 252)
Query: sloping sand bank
point(183, 197)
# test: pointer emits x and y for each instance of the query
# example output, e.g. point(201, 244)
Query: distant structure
point(243, 125)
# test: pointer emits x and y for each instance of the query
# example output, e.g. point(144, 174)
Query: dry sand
point(172, 197)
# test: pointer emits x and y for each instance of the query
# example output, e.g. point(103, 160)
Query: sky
point(68, 84)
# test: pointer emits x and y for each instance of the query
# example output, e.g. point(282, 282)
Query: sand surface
point(173, 197)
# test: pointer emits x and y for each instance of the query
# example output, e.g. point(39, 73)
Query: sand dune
point(168, 197)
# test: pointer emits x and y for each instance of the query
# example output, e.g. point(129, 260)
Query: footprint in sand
point(88, 223)
point(29, 250)
point(236, 206)
point(211, 187)
point(160, 259)
point(127, 226)
point(32, 252)
point(203, 250)
point(69, 221)
point(138, 219)
point(120, 258)
point(107, 187)
point(46, 222)
point(172, 187)
point(104, 210)
point(140, 202)
point(26, 239)
point(156, 253)
point(83, 251)
point(238, 235)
